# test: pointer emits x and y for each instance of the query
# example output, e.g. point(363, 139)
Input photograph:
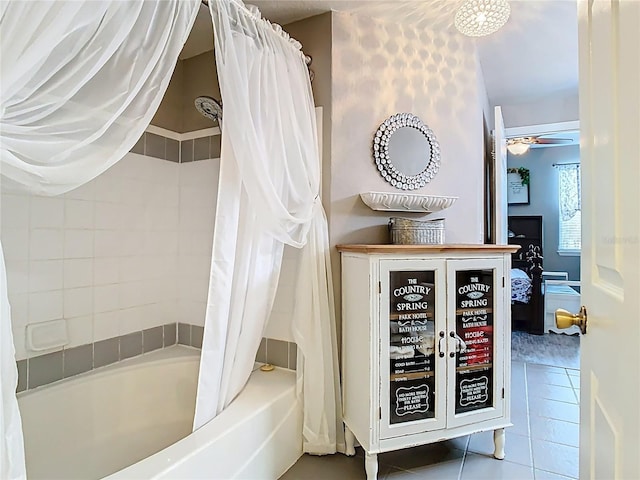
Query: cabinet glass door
point(411, 332)
point(475, 334)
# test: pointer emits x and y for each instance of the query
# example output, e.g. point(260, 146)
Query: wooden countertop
point(403, 249)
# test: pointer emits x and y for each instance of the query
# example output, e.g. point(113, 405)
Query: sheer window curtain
point(570, 206)
point(569, 187)
point(268, 196)
point(80, 82)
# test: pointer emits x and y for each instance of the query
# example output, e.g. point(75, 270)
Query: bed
point(520, 286)
point(526, 291)
point(560, 294)
point(527, 309)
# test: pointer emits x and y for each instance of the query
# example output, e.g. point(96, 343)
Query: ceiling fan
point(520, 145)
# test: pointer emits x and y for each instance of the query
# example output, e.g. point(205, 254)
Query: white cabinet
point(425, 344)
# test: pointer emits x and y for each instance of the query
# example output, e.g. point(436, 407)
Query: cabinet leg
point(498, 443)
point(371, 465)
point(350, 441)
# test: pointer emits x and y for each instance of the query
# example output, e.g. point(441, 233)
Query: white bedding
point(561, 290)
point(520, 286)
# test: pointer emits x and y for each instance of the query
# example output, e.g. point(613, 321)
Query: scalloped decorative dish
point(406, 202)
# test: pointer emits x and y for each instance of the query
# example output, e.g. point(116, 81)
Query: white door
point(609, 42)
point(500, 176)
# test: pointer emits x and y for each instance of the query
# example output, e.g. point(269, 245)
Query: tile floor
point(541, 445)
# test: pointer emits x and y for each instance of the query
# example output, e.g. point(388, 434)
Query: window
point(570, 235)
point(570, 209)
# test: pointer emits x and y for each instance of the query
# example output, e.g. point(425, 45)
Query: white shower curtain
point(80, 82)
point(268, 196)
point(11, 451)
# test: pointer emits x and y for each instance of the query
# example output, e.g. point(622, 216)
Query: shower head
point(210, 108)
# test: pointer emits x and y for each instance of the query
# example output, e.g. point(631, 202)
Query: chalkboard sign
point(474, 328)
point(411, 345)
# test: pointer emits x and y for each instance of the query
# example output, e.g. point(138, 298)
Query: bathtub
point(132, 420)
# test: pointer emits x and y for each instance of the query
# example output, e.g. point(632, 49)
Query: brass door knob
point(565, 319)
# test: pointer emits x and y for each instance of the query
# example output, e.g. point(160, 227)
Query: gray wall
point(543, 195)
point(315, 35)
point(379, 68)
point(192, 77)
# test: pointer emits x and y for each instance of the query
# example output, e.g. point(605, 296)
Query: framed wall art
point(518, 186)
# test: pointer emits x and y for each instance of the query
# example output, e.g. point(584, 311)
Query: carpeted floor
point(550, 349)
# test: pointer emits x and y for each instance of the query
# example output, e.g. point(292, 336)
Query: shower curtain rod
point(308, 58)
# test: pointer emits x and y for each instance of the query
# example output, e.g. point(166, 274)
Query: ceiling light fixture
point(477, 18)
point(517, 148)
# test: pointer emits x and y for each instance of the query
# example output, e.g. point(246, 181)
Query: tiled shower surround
point(124, 260)
point(126, 252)
point(106, 257)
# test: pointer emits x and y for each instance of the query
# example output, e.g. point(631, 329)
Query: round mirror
point(409, 149)
point(406, 152)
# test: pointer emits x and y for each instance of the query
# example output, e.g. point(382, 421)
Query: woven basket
point(405, 231)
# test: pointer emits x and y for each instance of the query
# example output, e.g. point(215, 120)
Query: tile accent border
point(190, 335)
point(278, 352)
point(44, 369)
point(177, 148)
point(51, 367)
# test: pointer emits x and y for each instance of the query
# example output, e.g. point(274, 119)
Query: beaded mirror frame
point(385, 164)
